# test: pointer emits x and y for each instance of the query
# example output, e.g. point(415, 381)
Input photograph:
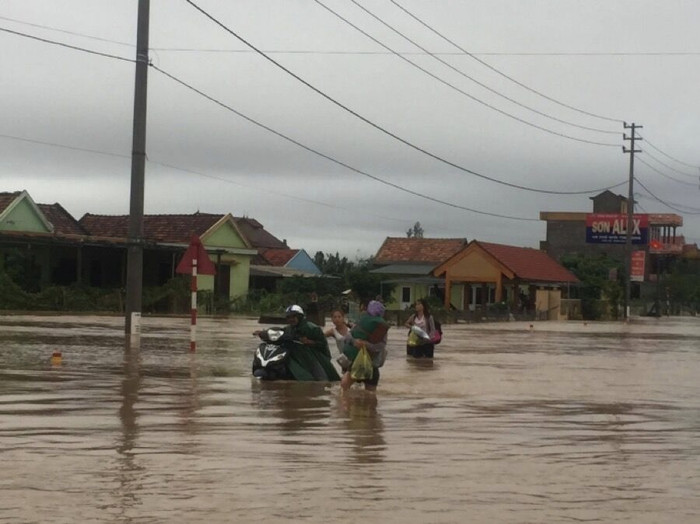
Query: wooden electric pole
point(630, 214)
point(134, 267)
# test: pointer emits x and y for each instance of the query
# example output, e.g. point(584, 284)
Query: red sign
point(637, 269)
point(196, 251)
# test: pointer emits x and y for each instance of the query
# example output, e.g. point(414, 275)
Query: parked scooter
point(272, 356)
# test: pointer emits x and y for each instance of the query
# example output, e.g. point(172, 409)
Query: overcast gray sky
point(442, 81)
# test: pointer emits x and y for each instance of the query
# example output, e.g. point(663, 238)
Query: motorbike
point(281, 357)
point(271, 358)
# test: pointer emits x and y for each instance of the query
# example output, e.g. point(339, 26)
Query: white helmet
point(294, 310)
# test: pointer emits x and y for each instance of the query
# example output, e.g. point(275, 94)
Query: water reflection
point(294, 406)
point(362, 422)
point(128, 471)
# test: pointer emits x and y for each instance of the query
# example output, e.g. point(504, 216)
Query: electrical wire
point(656, 159)
point(452, 86)
point(323, 52)
point(458, 71)
point(667, 204)
point(62, 146)
point(497, 71)
point(65, 31)
point(383, 130)
point(646, 140)
point(198, 173)
point(286, 195)
point(61, 44)
point(688, 209)
point(665, 175)
point(329, 158)
point(281, 135)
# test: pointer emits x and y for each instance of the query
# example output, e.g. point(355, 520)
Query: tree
point(333, 265)
point(415, 232)
point(595, 273)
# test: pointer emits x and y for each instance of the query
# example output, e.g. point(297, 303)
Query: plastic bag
point(362, 368)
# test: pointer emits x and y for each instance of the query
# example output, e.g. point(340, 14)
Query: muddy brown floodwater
point(561, 422)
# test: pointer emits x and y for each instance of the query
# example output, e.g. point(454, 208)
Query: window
point(405, 294)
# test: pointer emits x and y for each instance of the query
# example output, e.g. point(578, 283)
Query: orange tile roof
point(156, 228)
point(411, 250)
point(278, 257)
point(529, 264)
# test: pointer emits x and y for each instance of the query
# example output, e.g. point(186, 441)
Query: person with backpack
point(419, 346)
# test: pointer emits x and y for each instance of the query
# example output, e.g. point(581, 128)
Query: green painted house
point(57, 249)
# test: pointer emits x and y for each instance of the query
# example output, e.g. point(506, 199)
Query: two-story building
point(569, 233)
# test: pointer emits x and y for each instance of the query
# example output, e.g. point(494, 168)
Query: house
point(45, 236)
point(496, 273)
point(165, 239)
point(57, 249)
point(275, 259)
point(407, 263)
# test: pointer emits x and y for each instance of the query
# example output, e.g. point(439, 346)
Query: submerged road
point(564, 422)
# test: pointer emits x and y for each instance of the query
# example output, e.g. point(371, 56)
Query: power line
point(298, 143)
point(63, 146)
point(495, 70)
point(688, 209)
point(61, 44)
point(329, 158)
point(667, 204)
point(665, 175)
point(380, 128)
point(285, 195)
point(458, 71)
point(472, 97)
point(301, 145)
point(65, 31)
point(689, 175)
point(405, 53)
point(337, 52)
point(672, 158)
point(185, 170)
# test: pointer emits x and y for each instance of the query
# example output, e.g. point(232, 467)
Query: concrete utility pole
point(630, 214)
point(134, 267)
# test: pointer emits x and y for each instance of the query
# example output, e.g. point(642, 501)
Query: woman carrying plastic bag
point(423, 334)
point(366, 341)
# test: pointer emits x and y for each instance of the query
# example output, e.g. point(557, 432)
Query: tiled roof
point(529, 264)
point(62, 221)
point(156, 228)
point(411, 250)
point(278, 257)
point(7, 198)
point(257, 235)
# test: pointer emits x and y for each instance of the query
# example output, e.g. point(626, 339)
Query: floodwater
point(558, 422)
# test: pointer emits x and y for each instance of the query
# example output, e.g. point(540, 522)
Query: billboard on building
point(637, 268)
point(608, 228)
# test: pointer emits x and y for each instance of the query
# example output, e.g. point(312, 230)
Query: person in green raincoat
point(312, 359)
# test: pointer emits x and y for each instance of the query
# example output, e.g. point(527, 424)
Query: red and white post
point(193, 323)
